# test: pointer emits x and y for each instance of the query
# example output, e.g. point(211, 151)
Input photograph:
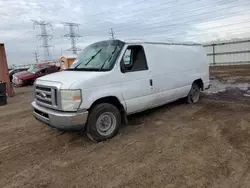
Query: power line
point(223, 29)
point(171, 27)
point(189, 10)
point(180, 26)
point(160, 7)
point(125, 6)
point(197, 34)
point(72, 36)
point(44, 36)
point(199, 37)
point(131, 14)
point(185, 14)
point(168, 15)
point(143, 10)
point(208, 29)
point(153, 27)
point(212, 36)
point(19, 37)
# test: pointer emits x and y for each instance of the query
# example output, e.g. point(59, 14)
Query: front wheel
point(104, 122)
point(194, 94)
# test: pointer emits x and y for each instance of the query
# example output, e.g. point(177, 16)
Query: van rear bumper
point(65, 121)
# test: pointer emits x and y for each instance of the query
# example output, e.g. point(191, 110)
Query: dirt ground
point(174, 146)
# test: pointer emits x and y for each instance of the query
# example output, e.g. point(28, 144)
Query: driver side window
point(134, 59)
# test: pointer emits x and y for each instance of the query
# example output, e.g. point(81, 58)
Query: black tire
point(93, 130)
point(195, 90)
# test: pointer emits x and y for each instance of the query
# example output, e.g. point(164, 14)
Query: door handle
point(151, 82)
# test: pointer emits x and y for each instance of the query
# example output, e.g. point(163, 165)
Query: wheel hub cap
point(106, 124)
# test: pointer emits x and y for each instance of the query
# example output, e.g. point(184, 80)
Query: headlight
point(17, 79)
point(71, 99)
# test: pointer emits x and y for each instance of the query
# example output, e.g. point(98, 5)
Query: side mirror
point(126, 61)
point(123, 69)
point(127, 66)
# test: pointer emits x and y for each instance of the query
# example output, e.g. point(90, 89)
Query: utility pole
point(112, 34)
point(36, 55)
point(72, 35)
point(44, 36)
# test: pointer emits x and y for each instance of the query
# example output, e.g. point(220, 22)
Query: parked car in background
point(112, 79)
point(34, 72)
point(14, 71)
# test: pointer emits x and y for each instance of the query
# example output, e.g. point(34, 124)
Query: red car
point(34, 72)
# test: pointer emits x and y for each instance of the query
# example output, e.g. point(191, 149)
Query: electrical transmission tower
point(112, 34)
point(36, 55)
point(72, 35)
point(44, 36)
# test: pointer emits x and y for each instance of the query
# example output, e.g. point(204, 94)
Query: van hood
point(68, 78)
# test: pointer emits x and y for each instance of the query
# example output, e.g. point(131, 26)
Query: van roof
point(163, 43)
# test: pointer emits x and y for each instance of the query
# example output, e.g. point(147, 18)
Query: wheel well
point(199, 82)
point(114, 101)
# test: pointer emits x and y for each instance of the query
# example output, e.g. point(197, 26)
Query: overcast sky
point(161, 20)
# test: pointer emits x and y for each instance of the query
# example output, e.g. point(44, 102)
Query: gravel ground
point(174, 146)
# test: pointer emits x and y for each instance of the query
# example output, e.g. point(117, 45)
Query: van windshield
point(99, 56)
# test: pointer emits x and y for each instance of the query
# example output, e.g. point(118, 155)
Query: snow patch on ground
point(246, 95)
point(218, 86)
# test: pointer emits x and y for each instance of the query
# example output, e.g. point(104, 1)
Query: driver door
point(136, 81)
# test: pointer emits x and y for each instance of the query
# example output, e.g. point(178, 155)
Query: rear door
point(136, 81)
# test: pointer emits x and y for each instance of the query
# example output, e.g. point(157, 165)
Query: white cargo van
point(112, 79)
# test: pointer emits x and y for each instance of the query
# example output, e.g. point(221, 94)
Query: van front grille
point(46, 96)
point(43, 88)
point(44, 101)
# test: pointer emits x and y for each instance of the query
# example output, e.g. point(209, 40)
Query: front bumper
point(66, 121)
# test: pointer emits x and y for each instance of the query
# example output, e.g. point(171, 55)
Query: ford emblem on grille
point(43, 95)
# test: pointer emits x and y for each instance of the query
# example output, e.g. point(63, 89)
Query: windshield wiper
point(93, 57)
point(111, 55)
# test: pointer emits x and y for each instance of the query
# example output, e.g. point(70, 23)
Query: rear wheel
point(103, 122)
point(194, 94)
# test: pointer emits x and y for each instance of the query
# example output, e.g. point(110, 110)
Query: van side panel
point(174, 68)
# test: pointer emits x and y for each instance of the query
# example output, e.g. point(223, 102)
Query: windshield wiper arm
point(108, 58)
point(93, 57)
